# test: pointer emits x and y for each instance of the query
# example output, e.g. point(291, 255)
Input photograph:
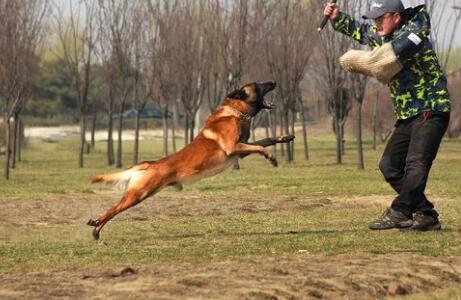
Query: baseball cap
point(379, 7)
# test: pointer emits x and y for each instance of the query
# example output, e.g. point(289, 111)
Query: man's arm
point(344, 23)
point(365, 34)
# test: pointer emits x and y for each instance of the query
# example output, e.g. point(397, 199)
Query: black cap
point(379, 7)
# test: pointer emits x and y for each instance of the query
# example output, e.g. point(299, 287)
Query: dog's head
point(253, 96)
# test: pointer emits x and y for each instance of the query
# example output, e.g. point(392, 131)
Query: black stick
point(325, 20)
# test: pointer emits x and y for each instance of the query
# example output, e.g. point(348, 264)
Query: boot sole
point(435, 227)
point(397, 226)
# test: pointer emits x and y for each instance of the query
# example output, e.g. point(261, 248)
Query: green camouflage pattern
point(421, 85)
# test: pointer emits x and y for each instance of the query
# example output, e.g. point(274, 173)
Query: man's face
point(387, 23)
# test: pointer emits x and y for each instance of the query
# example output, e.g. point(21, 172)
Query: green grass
point(48, 171)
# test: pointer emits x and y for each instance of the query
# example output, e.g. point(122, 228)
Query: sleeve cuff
point(335, 22)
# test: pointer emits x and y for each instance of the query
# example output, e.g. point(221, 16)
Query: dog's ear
point(238, 94)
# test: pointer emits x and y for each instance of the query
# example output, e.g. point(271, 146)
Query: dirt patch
point(71, 209)
point(290, 276)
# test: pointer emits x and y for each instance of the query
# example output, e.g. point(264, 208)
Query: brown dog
point(214, 149)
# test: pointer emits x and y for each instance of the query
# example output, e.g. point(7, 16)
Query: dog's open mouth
point(266, 88)
point(267, 104)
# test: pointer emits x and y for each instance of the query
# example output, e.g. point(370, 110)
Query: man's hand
point(331, 11)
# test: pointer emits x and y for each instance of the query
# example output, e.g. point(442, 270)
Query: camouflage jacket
point(421, 85)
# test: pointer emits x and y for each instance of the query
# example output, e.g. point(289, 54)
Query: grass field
point(293, 232)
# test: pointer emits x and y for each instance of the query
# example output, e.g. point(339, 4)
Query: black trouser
point(408, 158)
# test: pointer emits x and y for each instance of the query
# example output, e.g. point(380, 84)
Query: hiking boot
point(426, 221)
point(391, 218)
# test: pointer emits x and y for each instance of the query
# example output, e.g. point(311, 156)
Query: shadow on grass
point(280, 233)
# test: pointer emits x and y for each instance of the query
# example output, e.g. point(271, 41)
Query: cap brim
point(374, 14)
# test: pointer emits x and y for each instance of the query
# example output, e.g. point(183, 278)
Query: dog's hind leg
point(130, 199)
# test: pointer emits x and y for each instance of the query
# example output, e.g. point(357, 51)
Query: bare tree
point(21, 33)
point(233, 42)
point(188, 49)
point(117, 19)
point(215, 71)
point(332, 79)
point(357, 87)
point(77, 36)
point(164, 87)
point(289, 45)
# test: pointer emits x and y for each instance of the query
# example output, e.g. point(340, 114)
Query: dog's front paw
point(92, 222)
point(273, 161)
point(96, 234)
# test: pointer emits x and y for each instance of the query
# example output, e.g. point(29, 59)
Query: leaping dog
point(213, 150)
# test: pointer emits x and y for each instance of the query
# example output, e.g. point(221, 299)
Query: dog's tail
point(121, 179)
point(112, 178)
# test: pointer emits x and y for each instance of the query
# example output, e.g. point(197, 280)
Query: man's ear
point(237, 94)
point(397, 19)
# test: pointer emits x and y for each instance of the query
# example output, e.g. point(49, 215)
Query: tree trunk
point(20, 138)
point(136, 138)
point(191, 129)
point(186, 130)
point(282, 146)
point(287, 131)
point(375, 121)
point(174, 125)
point(110, 139)
point(341, 131)
point(118, 163)
point(15, 140)
point(273, 128)
point(165, 132)
point(338, 141)
point(306, 147)
point(267, 124)
point(6, 170)
point(361, 163)
point(82, 140)
point(292, 143)
point(93, 129)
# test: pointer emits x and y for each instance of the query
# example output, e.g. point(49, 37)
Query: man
point(420, 101)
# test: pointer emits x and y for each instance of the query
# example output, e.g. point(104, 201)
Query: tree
point(77, 35)
point(332, 79)
point(357, 87)
point(161, 66)
point(21, 34)
point(189, 56)
point(289, 44)
point(117, 24)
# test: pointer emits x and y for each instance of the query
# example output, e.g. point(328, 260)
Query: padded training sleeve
point(406, 44)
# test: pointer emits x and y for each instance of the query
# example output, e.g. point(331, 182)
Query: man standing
point(420, 101)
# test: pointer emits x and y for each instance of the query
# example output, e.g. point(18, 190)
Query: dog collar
point(237, 113)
